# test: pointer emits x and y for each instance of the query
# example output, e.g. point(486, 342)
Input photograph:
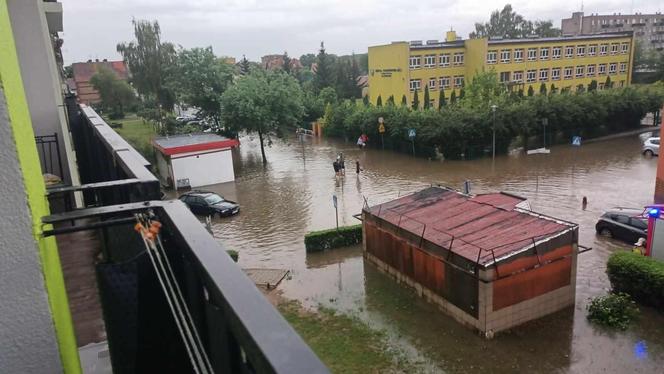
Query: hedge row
point(333, 238)
point(640, 277)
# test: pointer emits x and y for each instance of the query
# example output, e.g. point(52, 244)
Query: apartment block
point(647, 28)
point(403, 68)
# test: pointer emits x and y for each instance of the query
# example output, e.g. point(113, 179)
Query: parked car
point(624, 224)
point(651, 147)
point(209, 204)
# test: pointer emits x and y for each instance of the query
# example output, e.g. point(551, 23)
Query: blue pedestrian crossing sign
point(576, 140)
point(411, 134)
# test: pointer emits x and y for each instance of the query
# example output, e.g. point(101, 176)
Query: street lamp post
point(493, 148)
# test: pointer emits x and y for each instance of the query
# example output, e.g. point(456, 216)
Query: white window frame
point(555, 74)
point(613, 68)
point(556, 53)
point(415, 85)
point(592, 49)
point(544, 53)
point(614, 48)
point(458, 81)
point(580, 71)
point(624, 48)
point(505, 56)
point(543, 75)
point(623, 67)
point(568, 72)
point(492, 57)
point(532, 54)
point(580, 50)
point(518, 55)
point(603, 49)
point(569, 51)
point(429, 61)
point(601, 69)
point(444, 82)
point(432, 83)
point(517, 76)
point(414, 62)
point(531, 76)
point(590, 71)
point(444, 60)
point(458, 59)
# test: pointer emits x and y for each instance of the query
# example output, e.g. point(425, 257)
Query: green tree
point(427, 100)
point(484, 88)
point(553, 89)
point(453, 97)
point(379, 101)
point(365, 100)
point(199, 79)
point(355, 73)
point(265, 102)
point(520, 93)
point(608, 84)
point(580, 88)
point(149, 60)
point(307, 60)
point(328, 96)
point(245, 67)
point(531, 92)
point(404, 101)
point(592, 86)
point(287, 63)
point(462, 93)
point(507, 24)
point(390, 100)
point(542, 89)
point(324, 69)
point(116, 95)
point(69, 71)
point(441, 99)
point(416, 101)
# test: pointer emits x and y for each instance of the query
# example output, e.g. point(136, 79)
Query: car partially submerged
point(651, 147)
point(209, 204)
point(626, 224)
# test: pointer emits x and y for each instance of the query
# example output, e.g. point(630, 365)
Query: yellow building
point(402, 68)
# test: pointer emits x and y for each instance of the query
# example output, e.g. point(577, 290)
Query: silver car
point(651, 147)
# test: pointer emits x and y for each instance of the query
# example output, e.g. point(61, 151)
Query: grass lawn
point(343, 343)
point(138, 133)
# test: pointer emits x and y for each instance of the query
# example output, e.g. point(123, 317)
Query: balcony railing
point(173, 301)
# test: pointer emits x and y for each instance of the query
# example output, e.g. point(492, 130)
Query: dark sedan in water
point(209, 204)
point(624, 224)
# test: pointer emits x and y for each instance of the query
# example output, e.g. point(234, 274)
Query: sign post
point(411, 136)
point(336, 211)
point(381, 130)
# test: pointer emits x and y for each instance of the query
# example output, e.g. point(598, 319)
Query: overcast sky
point(259, 27)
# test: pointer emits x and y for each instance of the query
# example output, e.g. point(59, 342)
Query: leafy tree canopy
point(508, 24)
point(116, 94)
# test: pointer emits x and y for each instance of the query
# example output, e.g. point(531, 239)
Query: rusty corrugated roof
point(480, 228)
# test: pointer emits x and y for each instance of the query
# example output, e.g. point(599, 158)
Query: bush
point(613, 310)
point(235, 255)
point(333, 238)
point(640, 277)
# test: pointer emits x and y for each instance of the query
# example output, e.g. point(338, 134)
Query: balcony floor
point(78, 254)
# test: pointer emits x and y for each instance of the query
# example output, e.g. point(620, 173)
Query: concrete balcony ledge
point(53, 12)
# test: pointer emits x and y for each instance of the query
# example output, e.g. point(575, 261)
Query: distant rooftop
point(171, 145)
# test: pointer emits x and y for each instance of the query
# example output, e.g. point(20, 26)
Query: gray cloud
point(258, 27)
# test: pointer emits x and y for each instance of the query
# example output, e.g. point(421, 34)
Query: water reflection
point(293, 194)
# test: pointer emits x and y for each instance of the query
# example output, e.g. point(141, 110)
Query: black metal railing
point(240, 332)
point(111, 170)
point(48, 148)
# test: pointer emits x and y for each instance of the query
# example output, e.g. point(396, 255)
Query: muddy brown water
point(293, 195)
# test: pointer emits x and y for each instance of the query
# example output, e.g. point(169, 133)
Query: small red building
point(486, 260)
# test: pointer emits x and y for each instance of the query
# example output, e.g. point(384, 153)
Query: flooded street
point(293, 195)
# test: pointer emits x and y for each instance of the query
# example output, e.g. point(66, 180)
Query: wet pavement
point(293, 195)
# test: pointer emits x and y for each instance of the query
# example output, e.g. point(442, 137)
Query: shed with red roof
point(194, 160)
point(486, 260)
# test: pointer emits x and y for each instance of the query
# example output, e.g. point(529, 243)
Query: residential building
point(403, 68)
point(647, 28)
point(273, 62)
point(84, 71)
point(81, 291)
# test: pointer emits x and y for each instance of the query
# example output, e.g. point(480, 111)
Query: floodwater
point(293, 195)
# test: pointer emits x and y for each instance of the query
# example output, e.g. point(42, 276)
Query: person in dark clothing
point(357, 167)
point(336, 166)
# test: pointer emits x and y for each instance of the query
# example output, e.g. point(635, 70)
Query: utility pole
point(493, 148)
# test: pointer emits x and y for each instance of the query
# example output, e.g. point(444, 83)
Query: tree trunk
point(260, 137)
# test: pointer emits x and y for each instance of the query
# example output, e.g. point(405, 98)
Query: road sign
point(381, 128)
point(576, 140)
point(334, 200)
point(411, 134)
point(336, 211)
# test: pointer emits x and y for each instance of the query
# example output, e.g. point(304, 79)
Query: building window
point(414, 62)
point(580, 71)
point(601, 69)
point(532, 54)
point(517, 77)
point(458, 81)
point(444, 82)
point(544, 53)
point(415, 84)
point(613, 68)
point(531, 76)
point(504, 76)
point(590, 71)
point(491, 57)
point(432, 83)
point(556, 53)
point(623, 67)
point(592, 50)
point(555, 74)
point(603, 49)
point(544, 75)
point(444, 59)
point(429, 61)
point(568, 72)
point(580, 50)
point(624, 48)
point(569, 51)
point(458, 59)
point(505, 56)
point(518, 55)
point(614, 49)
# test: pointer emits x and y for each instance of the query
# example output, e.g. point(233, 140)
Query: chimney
point(96, 60)
point(105, 60)
point(451, 36)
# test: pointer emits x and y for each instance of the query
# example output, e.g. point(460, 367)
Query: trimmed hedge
point(640, 277)
point(333, 238)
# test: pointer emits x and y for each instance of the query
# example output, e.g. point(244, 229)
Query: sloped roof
point(83, 71)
